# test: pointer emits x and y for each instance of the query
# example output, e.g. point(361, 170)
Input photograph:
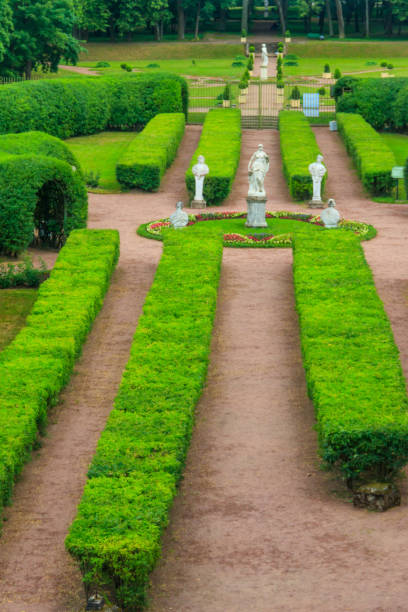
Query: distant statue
point(317, 170)
point(179, 218)
point(265, 58)
point(257, 168)
point(200, 171)
point(330, 215)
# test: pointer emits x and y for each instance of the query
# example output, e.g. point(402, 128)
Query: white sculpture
point(179, 218)
point(330, 215)
point(200, 171)
point(257, 168)
point(317, 170)
point(265, 58)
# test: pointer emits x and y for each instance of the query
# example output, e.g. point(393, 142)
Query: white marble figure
point(330, 215)
point(200, 171)
point(257, 168)
point(317, 170)
point(265, 58)
point(179, 218)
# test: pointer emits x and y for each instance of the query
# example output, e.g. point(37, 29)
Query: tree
point(6, 26)
point(340, 18)
point(92, 15)
point(41, 36)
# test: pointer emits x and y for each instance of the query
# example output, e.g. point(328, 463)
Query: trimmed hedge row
point(140, 455)
point(39, 361)
point(41, 183)
point(71, 107)
point(220, 143)
point(352, 365)
point(299, 149)
point(372, 157)
point(151, 152)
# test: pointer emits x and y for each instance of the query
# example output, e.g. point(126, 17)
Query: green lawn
point(128, 52)
point(15, 304)
point(99, 153)
point(398, 144)
point(313, 66)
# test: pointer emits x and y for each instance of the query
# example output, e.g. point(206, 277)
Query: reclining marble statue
point(257, 168)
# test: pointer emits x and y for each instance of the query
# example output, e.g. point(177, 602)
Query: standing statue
point(257, 168)
point(200, 171)
point(265, 58)
point(179, 218)
point(330, 215)
point(317, 170)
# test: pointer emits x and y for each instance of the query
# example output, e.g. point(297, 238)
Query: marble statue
point(330, 215)
point(200, 171)
point(317, 170)
point(265, 58)
point(257, 168)
point(179, 218)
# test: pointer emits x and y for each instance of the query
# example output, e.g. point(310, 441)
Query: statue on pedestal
point(317, 170)
point(265, 58)
point(179, 218)
point(257, 168)
point(200, 171)
point(330, 216)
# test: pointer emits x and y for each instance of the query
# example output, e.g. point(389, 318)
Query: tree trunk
point(197, 20)
point(181, 22)
point(28, 69)
point(321, 20)
point(223, 19)
point(340, 18)
point(244, 16)
point(281, 16)
point(329, 17)
point(367, 19)
point(157, 31)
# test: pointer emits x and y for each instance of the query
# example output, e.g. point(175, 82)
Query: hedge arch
point(42, 191)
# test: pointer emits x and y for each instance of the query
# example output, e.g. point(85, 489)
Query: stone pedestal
point(316, 204)
point(378, 496)
point(198, 204)
point(256, 212)
point(264, 73)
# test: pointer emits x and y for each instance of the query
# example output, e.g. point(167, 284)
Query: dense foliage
point(353, 371)
point(299, 149)
point(151, 152)
point(372, 157)
point(140, 455)
point(71, 107)
point(41, 188)
point(220, 144)
point(39, 361)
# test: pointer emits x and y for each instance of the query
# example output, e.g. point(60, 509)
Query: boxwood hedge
point(151, 152)
point(71, 107)
point(372, 157)
point(220, 143)
point(39, 361)
point(42, 187)
point(298, 149)
point(140, 455)
point(352, 365)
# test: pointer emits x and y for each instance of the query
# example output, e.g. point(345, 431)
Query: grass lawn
point(15, 304)
point(398, 143)
point(99, 153)
point(128, 52)
point(313, 66)
point(275, 226)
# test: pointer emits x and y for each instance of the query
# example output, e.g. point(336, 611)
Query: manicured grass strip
point(299, 149)
point(140, 455)
point(39, 361)
point(151, 152)
point(220, 143)
point(15, 304)
point(372, 157)
point(352, 364)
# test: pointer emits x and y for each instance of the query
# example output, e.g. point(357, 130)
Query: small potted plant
point(288, 38)
point(337, 74)
point(250, 64)
point(226, 96)
point(280, 49)
point(251, 49)
point(280, 88)
point(326, 72)
point(243, 36)
point(295, 97)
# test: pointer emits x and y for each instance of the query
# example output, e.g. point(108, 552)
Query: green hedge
point(298, 149)
point(140, 455)
point(352, 364)
point(71, 107)
point(41, 185)
point(220, 143)
point(39, 361)
point(372, 157)
point(151, 152)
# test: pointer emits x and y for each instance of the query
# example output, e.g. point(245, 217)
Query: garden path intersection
point(256, 524)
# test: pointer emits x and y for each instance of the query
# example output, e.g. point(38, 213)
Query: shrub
point(92, 178)
point(280, 84)
point(251, 49)
point(41, 188)
point(383, 64)
point(154, 65)
point(321, 91)
point(126, 67)
point(71, 107)
point(291, 63)
point(239, 58)
point(326, 69)
point(102, 64)
point(220, 126)
point(337, 74)
point(140, 455)
point(279, 62)
point(371, 63)
point(372, 157)
point(353, 372)
point(287, 33)
point(151, 152)
point(250, 64)
point(38, 362)
point(22, 274)
point(280, 47)
point(243, 84)
point(390, 66)
point(299, 149)
point(291, 56)
point(295, 93)
point(237, 64)
point(243, 33)
point(226, 94)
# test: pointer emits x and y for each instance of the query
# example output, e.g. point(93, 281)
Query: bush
point(337, 74)
point(280, 47)
point(239, 58)
point(22, 274)
point(243, 84)
point(102, 64)
point(321, 91)
point(390, 66)
point(383, 64)
point(42, 190)
point(371, 63)
point(226, 94)
point(326, 69)
point(250, 64)
point(71, 107)
point(287, 33)
point(237, 64)
point(243, 33)
point(299, 149)
point(353, 372)
point(151, 152)
point(126, 67)
point(291, 63)
point(92, 178)
point(291, 56)
point(372, 157)
point(140, 455)
point(295, 93)
point(251, 49)
point(38, 362)
point(154, 65)
point(280, 84)
point(220, 126)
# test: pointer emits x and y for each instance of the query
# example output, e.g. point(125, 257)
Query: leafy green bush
point(291, 56)
point(220, 126)
point(41, 189)
point(295, 93)
point(71, 107)
point(126, 67)
point(326, 68)
point(337, 74)
point(92, 178)
point(372, 157)
point(321, 91)
point(22, 274)
point(353, 372)
point(237, 64)
point(299, 149)
point(155, 65)
point(38, 362)
point(390, 66)
point(291, 63)
point(140, 455)
point(151, 152)
point(102, 64)
point(383, 64)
